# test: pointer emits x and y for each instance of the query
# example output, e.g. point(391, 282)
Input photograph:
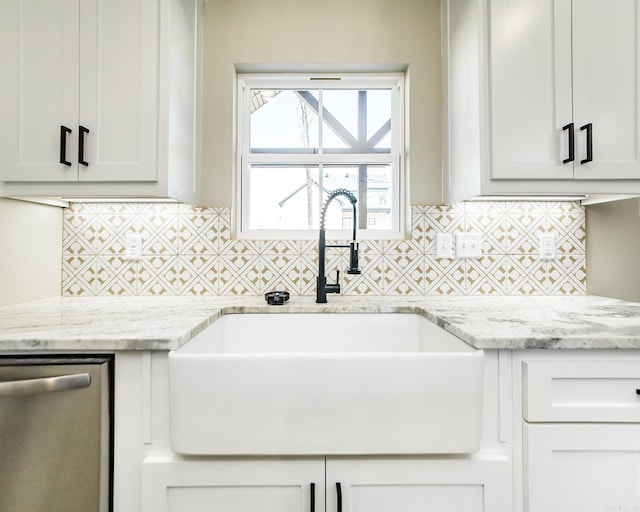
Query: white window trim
point(247, 81)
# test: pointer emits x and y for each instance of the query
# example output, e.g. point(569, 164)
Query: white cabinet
point(531, 80)
point(233, 485)
point(98, 98)
point(581, 434)
point(582, 467)
point(564, 73)
point(418, 484)
point(150, 477)
point(543, 97)
point(351, 485)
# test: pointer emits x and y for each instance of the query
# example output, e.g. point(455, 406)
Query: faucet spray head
point(339, 192)
point(354, 267)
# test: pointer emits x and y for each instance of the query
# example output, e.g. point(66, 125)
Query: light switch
point(444, 245)
point(468, 245)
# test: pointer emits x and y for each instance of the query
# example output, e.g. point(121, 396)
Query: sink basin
point(351, 383)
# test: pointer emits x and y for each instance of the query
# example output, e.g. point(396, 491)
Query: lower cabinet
point(418, 485)
point(581, 431)
point(170, 485)
point(582, 467)
point(326, 484)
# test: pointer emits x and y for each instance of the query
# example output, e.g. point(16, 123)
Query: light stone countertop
point(165, 323)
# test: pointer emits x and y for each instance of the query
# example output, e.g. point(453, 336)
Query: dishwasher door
point(55, 429)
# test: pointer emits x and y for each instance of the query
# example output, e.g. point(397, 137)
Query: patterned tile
point(190, 250)
point(567, 275)
point(487, 275)
point(239, 274)
point(197, 231)
point(522, 232)
point(404, 274)
point(444, 276)
point(307, 272)
point(443, 220)
point(111, 232)
point(494, 228)
point(419, 227)
point(158, 274)
point(116, 276)
point(281, 270)
point(79, 275)
point(526, 275)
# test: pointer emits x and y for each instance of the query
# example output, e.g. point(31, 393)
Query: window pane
point(379, 118)
point(288, 197)
point(356, 121)
point(340, 127)
point(283, 119)
point(283, 197)
point(372, 185)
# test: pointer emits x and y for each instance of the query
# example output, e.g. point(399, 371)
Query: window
point(302, 137)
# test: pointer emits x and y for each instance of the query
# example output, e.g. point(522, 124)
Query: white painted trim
point(244, 159)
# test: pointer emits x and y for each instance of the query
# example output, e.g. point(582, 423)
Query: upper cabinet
point(98, 98)
point(543, 97)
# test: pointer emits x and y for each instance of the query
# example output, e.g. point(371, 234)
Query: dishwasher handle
point(44, 385)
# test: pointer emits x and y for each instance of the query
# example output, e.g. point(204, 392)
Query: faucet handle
point(334, 287)
point(354, 267)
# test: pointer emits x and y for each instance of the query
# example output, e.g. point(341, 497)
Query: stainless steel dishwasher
point(55, 434)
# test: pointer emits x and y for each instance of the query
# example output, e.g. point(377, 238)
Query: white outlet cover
point(547, 247)
point(133, 249)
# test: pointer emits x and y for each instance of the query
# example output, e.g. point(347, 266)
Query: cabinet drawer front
point(594, 391)
point(582, 468)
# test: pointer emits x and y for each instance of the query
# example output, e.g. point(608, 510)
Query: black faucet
point(323, 287)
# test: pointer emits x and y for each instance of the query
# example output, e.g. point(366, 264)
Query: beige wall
point(30, 251)
point(613, 249)
point(325, 33)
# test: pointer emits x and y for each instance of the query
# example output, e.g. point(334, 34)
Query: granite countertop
point(165, 323)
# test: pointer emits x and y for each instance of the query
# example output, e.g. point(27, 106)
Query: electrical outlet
point(547, 247)
point(468, 245)
point(444, 245)
point(133, 250)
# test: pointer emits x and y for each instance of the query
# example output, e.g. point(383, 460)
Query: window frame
point(301, 81)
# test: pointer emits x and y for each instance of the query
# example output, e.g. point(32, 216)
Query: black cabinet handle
point(589, 128)
point(339, 491)
point(81, 159)
point(63, 144)
point(312, 501)
point(572, 146)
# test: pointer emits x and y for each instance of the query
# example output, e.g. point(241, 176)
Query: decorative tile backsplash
point(190, 251)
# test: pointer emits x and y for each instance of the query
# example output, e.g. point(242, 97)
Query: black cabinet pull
point(339, 491)
point(63, 144)
point(572, 146)
point(589, 128)
point(312, 501)
point(81, 159)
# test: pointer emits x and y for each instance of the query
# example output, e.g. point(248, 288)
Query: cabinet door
point(38, 89)
point(530, 88)
point(606, 53)
point(119, 89)
point(582, 467)
point(169, 485)
point(412, 485)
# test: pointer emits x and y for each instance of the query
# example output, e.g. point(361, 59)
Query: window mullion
point(321, 121)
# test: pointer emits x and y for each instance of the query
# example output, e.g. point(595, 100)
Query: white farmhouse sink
point(287, 383)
